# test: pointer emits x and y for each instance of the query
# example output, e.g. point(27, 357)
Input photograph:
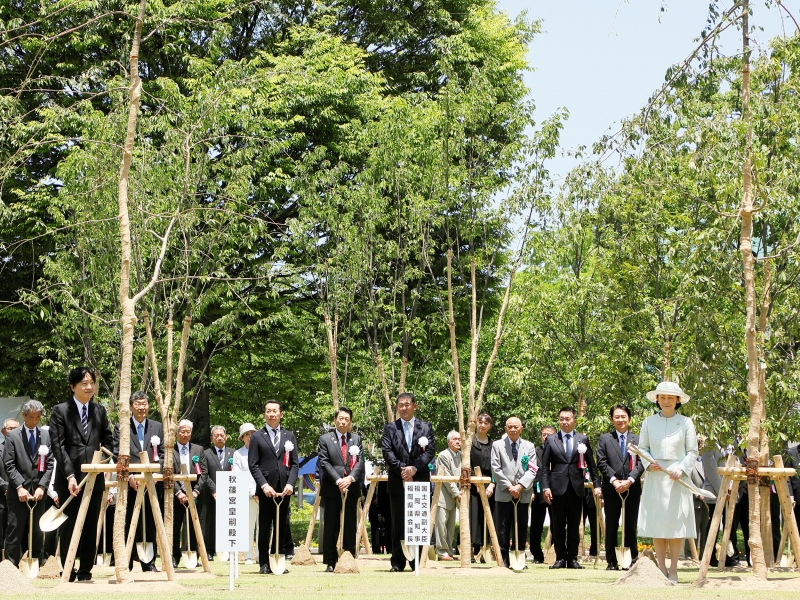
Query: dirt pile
point(644, 573)
point(346, 564)
point(14, 582)
point(51, 569)
point(550, 557)
point(302, 557)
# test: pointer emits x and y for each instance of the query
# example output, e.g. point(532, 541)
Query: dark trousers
point(18, 523)
point(267, 514)
point(506, 536)
point(87, 548)
point(613, 512)
point(538, 514)
point(397, 502)
point(3, 516)
point(144, 525)
point(208, 522)
point(51, 537)
point(333, 508)
point(109, 534)
point(565, 520)
point(590, 512)
point(476, 521)
point(181, 523)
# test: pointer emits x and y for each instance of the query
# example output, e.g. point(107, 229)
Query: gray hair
point(451, 435)
point(32, 405)
point(139, 396)
point(186, 423)
point(215, 427)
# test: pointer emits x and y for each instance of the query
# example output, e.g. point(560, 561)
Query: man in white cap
point(240, 464)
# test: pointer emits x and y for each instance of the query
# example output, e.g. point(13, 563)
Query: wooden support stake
point(198, 532)
point(487, 514)
point(161, 532)
point(312, 523)
point(137, 509)
point(715, 520)
point(693, 549)
point(726, 533)
point(69, 563)
point(789, 520)
point(364, 536)
point(365, 513)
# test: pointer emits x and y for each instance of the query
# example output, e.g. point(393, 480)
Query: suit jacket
point(151, 428)
point(397, 455)
point(70, 446)
point(212, 460)
point(559, 473)
point(194, 450)
point(610, 462)
point(3, 475)
point(329, 459)
point(449, 463)
point(792, 461)
point(710, 460)
point(508, 472)
point(539, 496)
point(21, 467)
point(266, 462)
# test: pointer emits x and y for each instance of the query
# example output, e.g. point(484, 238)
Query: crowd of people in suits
point(560, 477)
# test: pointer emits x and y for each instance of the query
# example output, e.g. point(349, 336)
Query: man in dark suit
point(273, 463)
point(218, 458)
point(28, 461)
point(792, 461)
point(621, 473)
point(539, 506)
point(193, 458)
point(339, 458)
point(146, 436)
point(566, 457)
point(408, 447)
point(9, 425)
point(78, 428)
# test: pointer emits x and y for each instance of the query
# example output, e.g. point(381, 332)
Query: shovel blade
point(51, 519)
point(277, 563)
point(190, 559)
point(624, 559)
point(145, 551)
point(29, 567)
point(224, 556)
point(407, 551)
point(516, 560)
point(784, 561)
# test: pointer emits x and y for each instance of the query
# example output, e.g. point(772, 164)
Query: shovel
point(30, 565)
point(144, 548)
point(277, 561)
point(190, 556)
point(516, 559)
point(340, 542)
point(623, 553)
point(54, 517)
point(104, 559)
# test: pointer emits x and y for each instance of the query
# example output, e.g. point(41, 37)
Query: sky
point(603, 59)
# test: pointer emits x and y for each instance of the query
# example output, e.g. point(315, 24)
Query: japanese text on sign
point(417, 514)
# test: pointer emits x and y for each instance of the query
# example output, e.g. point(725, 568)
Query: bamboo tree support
point(693, 549)
point(313, 521)
point(81, 517)
point(789, 520)
point(715, 521)
point(373, 479)
point(364, 536)
point(137, 508)
point(726, 533)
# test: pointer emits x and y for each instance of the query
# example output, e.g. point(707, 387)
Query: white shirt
point(240, 464)
point(185, 458)
point(80, 406)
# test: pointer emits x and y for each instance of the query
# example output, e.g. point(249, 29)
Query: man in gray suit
point(448, 463)
point(514, 466)
point(28, 461)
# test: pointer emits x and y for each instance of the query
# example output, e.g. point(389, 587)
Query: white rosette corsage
point(423, 442)
point(287, 450)
point(43, 452)
point(354, 452)
point(154, 442)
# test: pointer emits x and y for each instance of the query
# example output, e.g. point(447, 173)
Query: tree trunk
point(331, 328)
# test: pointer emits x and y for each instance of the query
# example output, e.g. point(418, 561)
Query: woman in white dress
point(667, 511)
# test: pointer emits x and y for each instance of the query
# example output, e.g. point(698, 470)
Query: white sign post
point(417, 504)
point(233, 516)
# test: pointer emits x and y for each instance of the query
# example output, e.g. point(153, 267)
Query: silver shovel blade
point(190, 559)
point(624, 559)
point(29, 567)
point(516, 560)
point(51, 520)
point(104, 559)
point(277, 563)
point(407, 551)
point(224, 556)
point(145, 551)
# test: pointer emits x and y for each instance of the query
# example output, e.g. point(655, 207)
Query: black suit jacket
point(151, 428)
point(194, 450)
point(21, 467)
point(329, 457)
point(212, 460)
point(610, 463)
point(70, 446)
point(397, 455)
point(3, 476)
point(557, 473)
point(539, 496)
point(266, 462)
point(793, 462)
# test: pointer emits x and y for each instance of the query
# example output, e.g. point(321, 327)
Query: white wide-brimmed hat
point(245, 428)
point(668, 388)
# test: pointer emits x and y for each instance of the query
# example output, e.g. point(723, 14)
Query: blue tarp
point(309, 468)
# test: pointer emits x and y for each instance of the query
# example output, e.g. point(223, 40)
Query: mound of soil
point(644, 573)
point(346, 564)
point(302, 557)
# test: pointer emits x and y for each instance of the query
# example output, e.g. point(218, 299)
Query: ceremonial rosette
point(42, 462)
point(287, 450)
point(354, 452)
point(154, 442)
point(582, 461)
point(196, 463)
point(423, 443)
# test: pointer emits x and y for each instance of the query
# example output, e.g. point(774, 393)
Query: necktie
point(32, 442)
point(85, 420)
point(184, 450)
point(622, 445)
point(569, 446)
point(407, 427)
point(514, 451)
point(140, 431)
point(274, 434)
point(344, 453)
point(221, 454)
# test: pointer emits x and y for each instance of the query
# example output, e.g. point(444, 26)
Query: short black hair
point(406, 395)
point(343, 409)
point(619, 407)
point(485, 417)
point(568, 409)
point(554, 429)
point(278, 402)
point(77, 374)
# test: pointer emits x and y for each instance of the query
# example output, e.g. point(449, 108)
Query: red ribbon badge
point(42, 463)
point(632, 458)
point(581, 461)
point(353, 461)
point(155, 453)
point(286, 459)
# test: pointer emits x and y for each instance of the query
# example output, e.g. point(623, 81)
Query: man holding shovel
point(340, 461)
point(191, 456)
point(28, 461)
point(514, 467)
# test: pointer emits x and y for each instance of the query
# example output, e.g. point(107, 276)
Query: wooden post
point(437, 492)
point(137, 509)
point(161, 532)
point(364, 536)
point(693, 549)
point(373, 479)
point(80, 520)
point(198, 532)
point(726, 533)
point(715, 519)
point(487, 514)
point(312, 523)
point(786, 506)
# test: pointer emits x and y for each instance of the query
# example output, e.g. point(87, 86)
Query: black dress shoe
point(210, 557)
point(574, 564)
point(537, 561)
point(174, 564)
point(394, 570)
point(330, 569)
point(264, 570)
point(84, 575)
point(152, 568)
point(612, 567)
point(559, 564)
point(73, 575)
